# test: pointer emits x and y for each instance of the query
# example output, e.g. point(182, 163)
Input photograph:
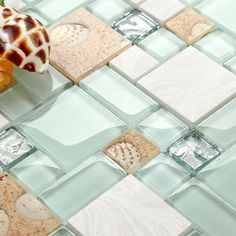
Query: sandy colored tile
point(81, 43)
point(190, 26)
point(22, 214)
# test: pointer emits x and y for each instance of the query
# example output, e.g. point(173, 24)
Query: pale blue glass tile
point(163, 128)
point(162, 175)
point(162, 44)
point(37, 172)
point(120, 96)
point(34, 14)
point(81, 186)
point(109, 10)
point(72, 128)
point(204, 209)
point(218, 45)
point(62, 231)
point(231, 64)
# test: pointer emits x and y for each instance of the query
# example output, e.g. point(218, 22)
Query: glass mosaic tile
point(231, 64)
point(135, 2)
point(191, 2)
point(82, 185)
point(4, 123)
point(162, 175)
point(62, 231)
point(34, 14)
point(127, 102)
point(195, 233)
point(163, 128)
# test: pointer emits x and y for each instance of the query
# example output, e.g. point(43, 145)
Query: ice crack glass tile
point(118, 95)
point(205, 209)
point(72, 128)
point(163, 128)
point(129, 208)
point(193, 151)
point(190, 26)
point(21, 213)
point(191, 85)
point(81, 43)
point(162, 175)
point(81, 186)
point(4, 123)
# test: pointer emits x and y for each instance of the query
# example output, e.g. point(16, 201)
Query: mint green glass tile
point(191, 2)
point(218, 45)
point(162, 44)
point(221, 126)
point(37, 172)
point(204, 209)
point(163, 128)
point(34, 14)
point(120, 96)
point(81, 186)
point(162, 175)
point(231, 64)
point(195, 233)
point(109, 10)
point(62, 231)
point(72, 128)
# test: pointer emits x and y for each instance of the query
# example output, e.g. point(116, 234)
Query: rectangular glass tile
point(231, 64)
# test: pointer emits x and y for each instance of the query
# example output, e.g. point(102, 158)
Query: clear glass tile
point(62, 231)
point(162, 175)
point(120, 96)
point(109, 10)
point(231, 64)
point(204, 209)
point(37, 172)
point(68, 129)
point(218, 45)
point(78, 188)
point(13, 147)
point(162, 44)
point(193, 151)
point(34, 14)
point(4, 123)
point(135, 25)
point(191, 2)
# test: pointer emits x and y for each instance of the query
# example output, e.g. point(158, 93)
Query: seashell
point(23, 41)
point(4, 223)
point(30, 208)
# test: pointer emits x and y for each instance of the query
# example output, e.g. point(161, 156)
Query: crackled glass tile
point(82, 185)
point(163, 128)
point(37, 172)
point(34, 14)
point(162, 175)
point(118, 95)
point(231, 64)
point(109, 10)
point(68, 129)
point(4, 123)
point(162, 44)
point(13, 147)
point(193, 151)
point(62, 231)
point(135, 25)
point(205, 209)
point(218, 45)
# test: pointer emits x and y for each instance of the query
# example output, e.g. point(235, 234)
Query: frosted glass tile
point(204, 209)
point(62, 231)
point(37, 172)
point(162, 44)
point(218, 45)
point(34, 14)
point(4, 123)
point(231, 64)
point(120, 96)
point(162, 175)
point(81, 186)
point(109, 10)
point(163, 128)
point(68, 129)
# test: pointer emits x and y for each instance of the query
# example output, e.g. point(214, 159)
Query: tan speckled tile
point(81, 43)
point(190, 26)
point(21, 214)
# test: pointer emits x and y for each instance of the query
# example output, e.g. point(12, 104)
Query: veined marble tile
point(191, 85)
point(4, 123)
point(129, 208)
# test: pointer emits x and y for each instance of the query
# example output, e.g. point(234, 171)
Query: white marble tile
point(134, 63)
point(130, 208)
point(4, 123)
point(162, 10)
point(191, 85)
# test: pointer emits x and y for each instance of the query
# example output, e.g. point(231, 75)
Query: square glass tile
point(162, 44)
point(218, 45)
point(62, 231)
point(231, 64)
point(82, 185)
point(135, 25)
point(163, 128)
point(193, 151)
point(34, 14)
point(68, 129)
point(162, 175)
point(37, 172)
point(13, 147)
point(109, 10)
point(4, 123)
point(120, 96)
point(204, 209)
